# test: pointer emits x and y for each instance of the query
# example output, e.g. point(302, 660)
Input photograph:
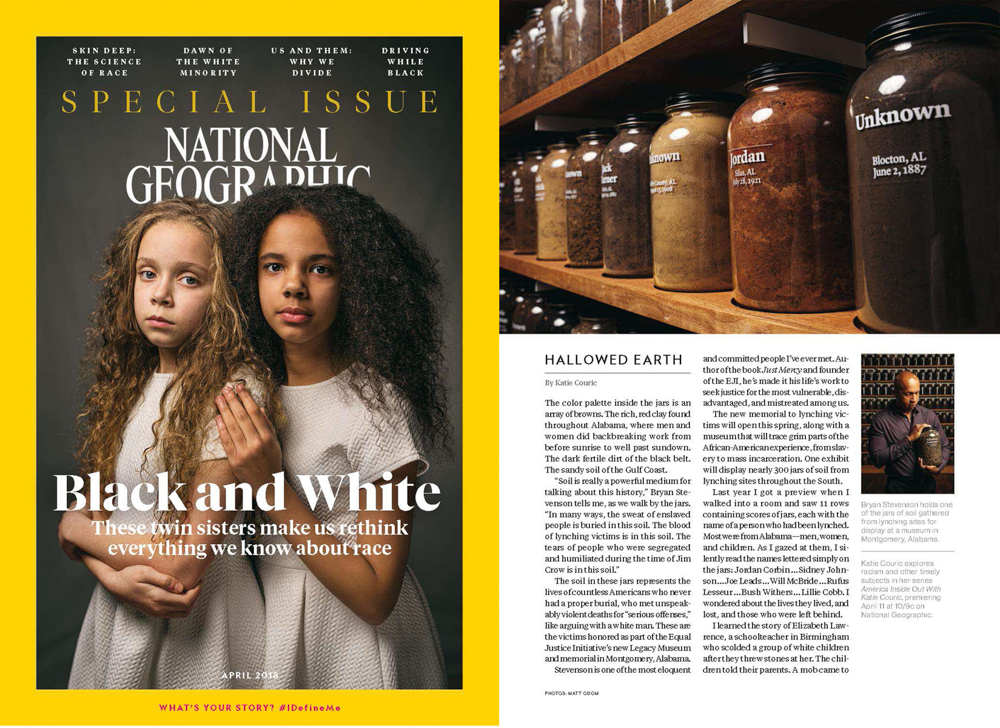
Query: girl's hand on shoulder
point(69, 526)
point(153, 593)
point(248, 436)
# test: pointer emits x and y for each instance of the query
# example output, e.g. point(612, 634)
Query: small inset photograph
point(908, 419)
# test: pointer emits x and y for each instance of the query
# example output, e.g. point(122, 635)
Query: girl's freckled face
point(173, 282)
point(297, 278)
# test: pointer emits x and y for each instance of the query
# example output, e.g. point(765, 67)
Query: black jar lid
point(595, 132)
point(776, 69)
point(697, 97)
point(920, 19)
point(514, 157)
point(637, 121)
point(535, 152)
point(561, 144)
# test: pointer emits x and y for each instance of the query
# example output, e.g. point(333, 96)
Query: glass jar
point(508, 222)
point(929, 447)
point(595, 325)
point(689, 194)
point(581, 33)
point(583, 200)
point(550, 47)
point(620, 20)
point(628, 247)
point(550, 199)
point(788, 198)
point(659, 9)
point(526, 74)
point(518, 69)
point(559, 318)
point(525, 212)
point(509, 288)
point(510, 304)
point(922, 130)
point(507, 70)
point(528, 313)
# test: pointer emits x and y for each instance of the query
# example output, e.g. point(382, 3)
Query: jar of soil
point(507, 70)
point(528, 313)
point(659, 9)
point(628, 247)
point(620, 20)
point(509, 306)
point(526, 73)
point(525, 212)
point(508, 223)
point(559, 318)
point(550, 47)
point(788, 198)
point(689, 193)
point(595, 325)
point(509, 289)
point(583, 200)
point(929, 446)
point(550, 199)
point(922, 128)
point(581, 33)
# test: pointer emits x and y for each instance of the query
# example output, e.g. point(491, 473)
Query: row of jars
point(926, 388)
point(934, 403)
point(565, 34)
point(763, 196)
point(940, 374)
point(908, 360)
point(525, 310)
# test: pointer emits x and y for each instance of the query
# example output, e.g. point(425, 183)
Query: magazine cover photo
point(248, 350)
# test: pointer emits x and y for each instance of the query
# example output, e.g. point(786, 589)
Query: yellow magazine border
point(476, 21)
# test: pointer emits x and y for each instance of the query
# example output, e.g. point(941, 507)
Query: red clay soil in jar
point(788, 194)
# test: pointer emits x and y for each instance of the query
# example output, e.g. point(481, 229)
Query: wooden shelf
point(704, 313)
point(698, 47)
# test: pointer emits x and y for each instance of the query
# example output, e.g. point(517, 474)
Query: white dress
point(119, 647)
point(313, 641)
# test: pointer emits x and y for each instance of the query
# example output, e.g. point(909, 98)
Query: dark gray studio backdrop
point(83, 162)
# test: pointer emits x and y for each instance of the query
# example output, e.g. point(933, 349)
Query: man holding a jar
point(892, 436)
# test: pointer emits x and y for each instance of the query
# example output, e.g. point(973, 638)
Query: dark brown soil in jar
point(929, 447)
point(559, 318)
point(621, 19)
point(528, 313)
point(625, 215)
point(526, 71)
point(550, 49)
point(590, 325)
point(508, 221)
point(789, 212)
point(525, 211)
point(922, 128)
point(584, 231)
point(581, 33)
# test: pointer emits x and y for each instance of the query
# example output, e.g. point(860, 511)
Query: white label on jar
point(662, 186)
point(900, 165)
point(901, 116)
point(539, 190)
point(664, 157)
point(747, 176)
point(574, 173)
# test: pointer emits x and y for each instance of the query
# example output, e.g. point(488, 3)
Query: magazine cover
point(248, 432)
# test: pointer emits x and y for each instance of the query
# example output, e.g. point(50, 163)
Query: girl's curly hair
point(388, 320)
point(120, 359)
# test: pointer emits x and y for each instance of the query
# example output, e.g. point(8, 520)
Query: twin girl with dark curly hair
point(299, 334)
